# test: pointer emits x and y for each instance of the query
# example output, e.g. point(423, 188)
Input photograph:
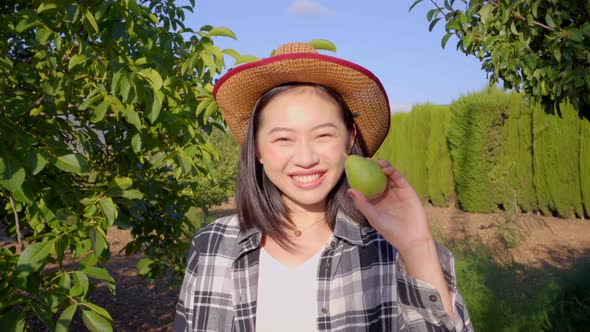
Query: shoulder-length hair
point(259, 202)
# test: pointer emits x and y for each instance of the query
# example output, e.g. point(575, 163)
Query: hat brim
point(238, 90)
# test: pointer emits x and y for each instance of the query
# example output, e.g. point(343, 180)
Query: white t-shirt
point(287, 297)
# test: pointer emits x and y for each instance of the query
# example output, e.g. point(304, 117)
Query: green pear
point(365, 175)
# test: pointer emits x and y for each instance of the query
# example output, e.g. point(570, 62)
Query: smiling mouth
point(306, 178)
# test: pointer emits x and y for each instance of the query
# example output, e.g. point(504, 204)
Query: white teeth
point(306, 178)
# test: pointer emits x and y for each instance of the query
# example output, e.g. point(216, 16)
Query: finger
point(397, 179)
point(362, 203)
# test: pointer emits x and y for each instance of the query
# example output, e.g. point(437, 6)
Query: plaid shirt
point(362, 284)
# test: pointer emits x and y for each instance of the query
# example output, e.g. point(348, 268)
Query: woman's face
point(301, 143)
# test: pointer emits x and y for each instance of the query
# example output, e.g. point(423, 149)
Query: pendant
point(297, 232)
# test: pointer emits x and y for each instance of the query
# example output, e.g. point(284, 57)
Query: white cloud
point(309, 8)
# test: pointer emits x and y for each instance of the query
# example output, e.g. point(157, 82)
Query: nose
point(305, 155)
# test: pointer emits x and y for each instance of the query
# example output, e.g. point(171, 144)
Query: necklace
point(298, 232)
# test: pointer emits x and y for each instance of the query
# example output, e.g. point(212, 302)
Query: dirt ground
point(545, 242)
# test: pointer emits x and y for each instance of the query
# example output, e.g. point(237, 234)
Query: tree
point(104, 114)
point(219, 184)
point(540, 47)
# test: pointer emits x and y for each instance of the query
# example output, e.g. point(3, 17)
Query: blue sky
point(380, 35)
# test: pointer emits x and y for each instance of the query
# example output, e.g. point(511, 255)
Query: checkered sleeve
point(422, 309)
point(184, 305)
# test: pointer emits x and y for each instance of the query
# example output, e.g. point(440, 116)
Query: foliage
point(526, 299)
point(539, 47)
point(556, 162)
point(516, 184)
point(475, 143)
point(395, 147)
point(103, 119)
point(441, 184)
point(585, 165)
point(219, 184)
point(417, 140)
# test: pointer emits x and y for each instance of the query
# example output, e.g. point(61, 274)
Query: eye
point(282, 139)
point(325, 136)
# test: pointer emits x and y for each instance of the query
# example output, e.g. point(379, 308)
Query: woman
point(304, 251)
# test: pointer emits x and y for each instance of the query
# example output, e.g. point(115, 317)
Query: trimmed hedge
point(518, 158)
point(475, 141)
point(585, 165)
point(556, 147)
point(395, 145)
point(418, 135)
point(492, 149)
point(441, 184)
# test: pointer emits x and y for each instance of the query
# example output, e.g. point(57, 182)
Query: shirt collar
point(349, 230)
point(345, 228)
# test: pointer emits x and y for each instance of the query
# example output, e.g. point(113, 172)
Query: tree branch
point(520, 17)
point(19, 236)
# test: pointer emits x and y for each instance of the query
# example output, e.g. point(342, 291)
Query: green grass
point(509, 297)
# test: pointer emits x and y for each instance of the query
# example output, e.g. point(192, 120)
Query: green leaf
point(433, 23)
point(245, 59)
point(33, 257)
point(129, 194)
point(152, 77)
point(24, 196)
point(81, 279)
point(99, 310)
point(210, 110)
point(45, 6)
point(72, 163)
point(95, 322)
point(203, 103)
point(549, 19)
point(13, 321)
point(100, 111)
point(67, 216)
point(575, 35)
point(65, 319)
point(132, 117)
point(76, 60)
point(136, 142)
point(98, 273)
point(414, 4)
point(91, 20)
point(88, 261)
point(222, 31)
point(26, 24)
point(36, 161)
point(121, 182)
point(109, 209)
point(445, 39)
point(89, 100)
point(431, 13)
point(557, 54)
point(61, 245)
point(143, 266)
point(323, 44)
point(12, 174)
point(43, 35)
point(98, 241)
point(156, 106)
point(486, 12)
point(233, 53)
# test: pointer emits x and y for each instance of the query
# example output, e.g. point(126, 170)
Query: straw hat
point(238, 90)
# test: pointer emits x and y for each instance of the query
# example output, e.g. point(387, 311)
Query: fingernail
point(351, 194)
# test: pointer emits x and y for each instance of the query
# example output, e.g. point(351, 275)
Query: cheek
point(271, 154)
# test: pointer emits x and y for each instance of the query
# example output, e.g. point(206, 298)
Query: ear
point(351, 139)
point(257, 155)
